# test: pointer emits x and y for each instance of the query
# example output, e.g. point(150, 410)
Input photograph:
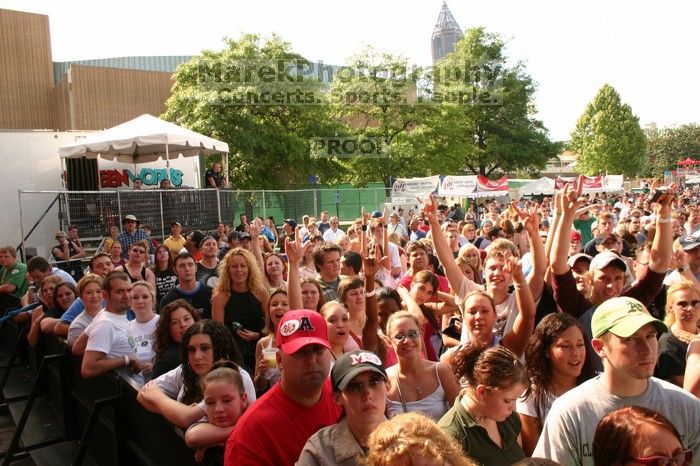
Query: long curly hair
point(396, 440)
point(163, 337)
point(256, 282)
point(539, 365)
point(223, 345)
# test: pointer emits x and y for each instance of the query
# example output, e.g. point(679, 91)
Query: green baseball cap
point(622, 316)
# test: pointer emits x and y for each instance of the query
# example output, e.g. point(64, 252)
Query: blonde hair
point(394, 441)
point(256, 282)
point(86, 280)
point(680, 286)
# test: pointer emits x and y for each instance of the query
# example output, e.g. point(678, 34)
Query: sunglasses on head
point(679, 459)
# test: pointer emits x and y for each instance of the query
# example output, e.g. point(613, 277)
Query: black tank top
point(137, 278)
point(245, 309)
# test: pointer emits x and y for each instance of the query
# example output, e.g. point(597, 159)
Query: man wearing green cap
point(625, 336)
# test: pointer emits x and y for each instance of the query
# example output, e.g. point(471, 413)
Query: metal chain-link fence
point(42, 213)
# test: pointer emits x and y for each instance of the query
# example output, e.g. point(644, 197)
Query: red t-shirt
point(274, 430)
point(443, 283)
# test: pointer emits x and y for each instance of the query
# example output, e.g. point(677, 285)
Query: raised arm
point(254, 231)
point(539, 262)
point(691, 382)
point(369, 332)
point(295, 251)
point(570, 199)
point(524, 324)
point(442, 249)
point(550, 238)
point(662, 247)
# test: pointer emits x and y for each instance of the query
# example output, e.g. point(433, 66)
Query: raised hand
point(370, 265)
point(512, 265)
point(294, 248)
point(529, 219)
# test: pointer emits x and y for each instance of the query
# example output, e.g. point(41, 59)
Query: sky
point(647, 50)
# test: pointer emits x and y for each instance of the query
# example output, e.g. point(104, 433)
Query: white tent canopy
point(693, 180)
point(543, 185)
point(145, 139)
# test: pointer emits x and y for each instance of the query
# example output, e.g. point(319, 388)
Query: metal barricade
point(42, 213)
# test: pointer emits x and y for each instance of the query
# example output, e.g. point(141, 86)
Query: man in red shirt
point(275, 428)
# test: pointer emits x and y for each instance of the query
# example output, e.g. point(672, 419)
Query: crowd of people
point(562, 330)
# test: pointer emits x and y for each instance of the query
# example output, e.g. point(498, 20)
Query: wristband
point(126, 360)
point(681, 269)
point(370, 294)
point(364, 227)
point(664, 220)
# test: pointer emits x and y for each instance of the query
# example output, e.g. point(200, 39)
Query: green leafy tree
point(482, 118)
point(252, 96)
point(374, 96)
point(608, 138)
point(667, 146)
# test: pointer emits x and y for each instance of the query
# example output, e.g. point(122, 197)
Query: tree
point(667, 146)
point(608, 138)
point(374, 96)
point(483, 116)
point(255, 96)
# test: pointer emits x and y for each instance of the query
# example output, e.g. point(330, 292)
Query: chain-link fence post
point(162, 220)
point(316, 204)
point(264, 206)
point(119, 206)
point(218, 204)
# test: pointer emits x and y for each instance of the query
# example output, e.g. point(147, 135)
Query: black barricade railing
point(103, 415)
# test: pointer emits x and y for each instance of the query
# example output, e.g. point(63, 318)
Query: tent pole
point(224, 164)
point(167, 161)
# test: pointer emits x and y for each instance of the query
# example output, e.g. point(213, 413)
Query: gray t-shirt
point(567, 435)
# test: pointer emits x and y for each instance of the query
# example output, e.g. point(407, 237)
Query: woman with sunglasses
point(634, 435)
point(360, 385)
point(417, 384)
point(682, 313)
point(135, 266)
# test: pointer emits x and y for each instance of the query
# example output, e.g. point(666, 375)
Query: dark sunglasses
point(680, 459)
point(692, 303)
point(139, 251)
point(372, 383)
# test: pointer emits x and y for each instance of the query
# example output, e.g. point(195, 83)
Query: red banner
point(492, 185)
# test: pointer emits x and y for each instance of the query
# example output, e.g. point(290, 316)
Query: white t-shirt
point(567, 435)
point(527, 406)
point(107, 334)
point(143, 337)
point(506, 312)
point(172, 384)
point(332, 236)
point(78, 326)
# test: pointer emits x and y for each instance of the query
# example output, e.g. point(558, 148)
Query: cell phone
point(235, 326)
point(658, 193)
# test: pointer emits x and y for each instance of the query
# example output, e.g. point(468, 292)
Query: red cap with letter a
point(300, 328)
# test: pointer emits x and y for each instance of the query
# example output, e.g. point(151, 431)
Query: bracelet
point(681, 269)
point(370, 294)
point(664, 220)
point(126, 360)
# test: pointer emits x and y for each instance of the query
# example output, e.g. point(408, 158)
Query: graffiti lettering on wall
point(149, 176)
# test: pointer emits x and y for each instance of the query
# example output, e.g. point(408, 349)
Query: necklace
point(682, 335)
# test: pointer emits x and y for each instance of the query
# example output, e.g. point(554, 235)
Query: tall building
point(446, 33)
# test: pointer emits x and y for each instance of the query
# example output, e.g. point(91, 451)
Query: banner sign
point(486, 185)
point(412, 187)
point(590, 183)
point(457, 185)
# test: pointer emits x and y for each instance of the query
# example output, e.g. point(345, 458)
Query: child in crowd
point(224, 402)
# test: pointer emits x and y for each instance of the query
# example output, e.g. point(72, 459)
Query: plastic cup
point(270, 355)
